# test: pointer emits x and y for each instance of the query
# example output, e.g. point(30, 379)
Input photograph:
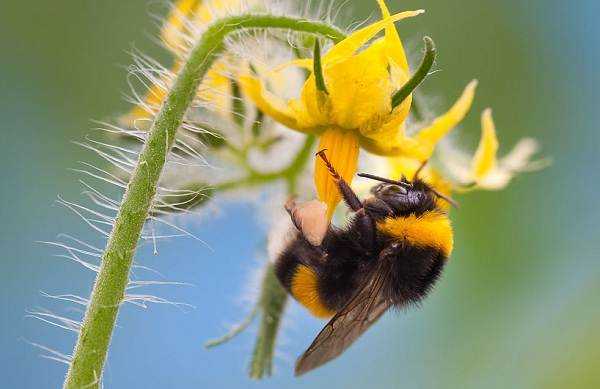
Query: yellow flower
point(355, 109)
point(423, 148)
point(456, 172)
point(185, 16)
point(486, 170)
point(422, 145)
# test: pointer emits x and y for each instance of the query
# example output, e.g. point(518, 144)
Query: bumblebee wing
point(347, 325)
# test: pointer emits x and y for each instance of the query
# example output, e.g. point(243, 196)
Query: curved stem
point(272, 301)
point(91, 349)
point(289, 173)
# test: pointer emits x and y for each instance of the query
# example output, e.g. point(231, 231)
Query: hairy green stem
point(108, 293)
point(271, 302)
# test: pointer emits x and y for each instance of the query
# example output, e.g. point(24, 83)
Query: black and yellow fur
point(323, 278)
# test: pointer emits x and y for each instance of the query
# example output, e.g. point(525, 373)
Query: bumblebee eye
point(377, 189)
point(396, 189)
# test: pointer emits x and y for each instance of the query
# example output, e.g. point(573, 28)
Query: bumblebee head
point(403, 196)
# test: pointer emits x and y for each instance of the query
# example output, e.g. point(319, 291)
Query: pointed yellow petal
point(174, 26)
point(394, 47)
point(442, 125)
point(392, 142)
point(342, 152)
point(354, 41)
point(485, 159)
point(359, 90)
point(304, 63)
point(267, 102)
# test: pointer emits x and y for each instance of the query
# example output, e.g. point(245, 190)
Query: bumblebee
point(390, 254)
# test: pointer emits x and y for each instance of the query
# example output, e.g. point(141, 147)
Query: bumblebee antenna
point(420, 169)
point(334, 173)
point(386, 180)
point(450, 200)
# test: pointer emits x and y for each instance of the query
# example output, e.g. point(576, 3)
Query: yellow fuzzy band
point(305, 290)
point(431, 229)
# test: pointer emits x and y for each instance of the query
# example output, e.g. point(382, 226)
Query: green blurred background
point(518, 306)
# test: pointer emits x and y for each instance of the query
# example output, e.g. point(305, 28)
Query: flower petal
point(390, 142)
point(485, 159)
point(359, 90)
point(173, 28)
point(519, 158)
point(267, 102)
point(303, 63)
point(342, 152)
point(442, 125)
point(517, 161)
point(387, 128)
point(393, 44)
point(354, 41)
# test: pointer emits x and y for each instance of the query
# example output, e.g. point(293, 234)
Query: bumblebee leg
point(364, 222)
point(377, 208)
point(350, 198)
point(366, 228)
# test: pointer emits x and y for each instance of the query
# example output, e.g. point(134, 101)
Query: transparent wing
point(347, 325)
